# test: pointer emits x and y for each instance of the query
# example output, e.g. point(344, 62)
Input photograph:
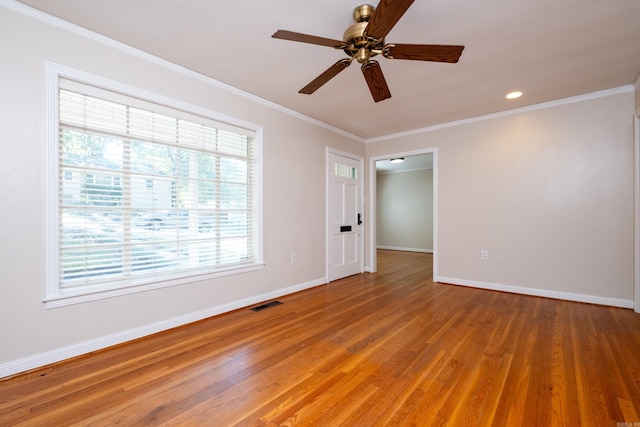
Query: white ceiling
point(549, 49)
point(410, 163)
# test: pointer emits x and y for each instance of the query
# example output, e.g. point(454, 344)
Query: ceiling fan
point(365, 39)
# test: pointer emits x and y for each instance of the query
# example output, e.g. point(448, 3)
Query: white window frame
point(55, 296)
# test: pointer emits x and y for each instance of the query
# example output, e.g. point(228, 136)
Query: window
point(147, 195)
point(346, 171)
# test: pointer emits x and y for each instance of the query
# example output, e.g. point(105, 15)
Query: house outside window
point(157, 195)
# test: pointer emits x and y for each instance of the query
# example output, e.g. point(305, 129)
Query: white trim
point(83, 32)
point(568, 296)
point(555, 103)
point(52, 254)
point(63, 353)
point(60, 298)
point(383, 172)
point(372, 264)
point(397, 248)
point(259, 194)
point(56, 297)
point(636, 257)
point(372, 258)
point(329, 173)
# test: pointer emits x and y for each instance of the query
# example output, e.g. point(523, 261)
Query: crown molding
point(18, 7)
point(491, 116)
point(31, 12)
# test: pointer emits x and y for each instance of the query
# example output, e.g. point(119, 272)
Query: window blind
point(148, 193)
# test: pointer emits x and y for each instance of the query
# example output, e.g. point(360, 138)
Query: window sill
point(70, 297)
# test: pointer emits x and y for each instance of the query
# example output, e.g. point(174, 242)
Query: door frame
point(329, 172)
point(373, 243)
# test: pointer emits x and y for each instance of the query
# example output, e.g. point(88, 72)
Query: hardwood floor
point(390, 348)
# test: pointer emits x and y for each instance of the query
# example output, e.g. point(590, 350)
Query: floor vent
point(266, 305)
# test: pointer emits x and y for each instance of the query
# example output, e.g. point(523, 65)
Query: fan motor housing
point(357, 42)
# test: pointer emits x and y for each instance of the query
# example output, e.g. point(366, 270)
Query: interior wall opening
point(403, 204)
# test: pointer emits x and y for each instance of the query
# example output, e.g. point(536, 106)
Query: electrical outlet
point(484, 254)
point(293, 258)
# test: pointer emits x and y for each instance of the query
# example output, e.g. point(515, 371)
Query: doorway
point(426, 158)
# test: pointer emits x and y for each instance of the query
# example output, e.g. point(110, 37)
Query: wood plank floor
point(390, 348)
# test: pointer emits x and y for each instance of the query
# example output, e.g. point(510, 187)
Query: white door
point(344, 222)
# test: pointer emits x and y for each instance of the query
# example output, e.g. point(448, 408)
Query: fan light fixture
point(514, 95)
point(397, 160)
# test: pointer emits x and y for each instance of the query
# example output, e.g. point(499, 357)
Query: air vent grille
point(266, 305)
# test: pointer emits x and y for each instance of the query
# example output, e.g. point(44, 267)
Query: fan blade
point(424, 52)
point(375, 79)
point(385, 17)
point(330, 73)
point(306, 38)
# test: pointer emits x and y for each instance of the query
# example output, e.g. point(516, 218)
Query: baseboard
point(60, 354)
point(569, 296)
point(398, 248)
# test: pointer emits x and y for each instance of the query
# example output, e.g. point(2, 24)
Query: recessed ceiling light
point(397, 160)
point(514, 95)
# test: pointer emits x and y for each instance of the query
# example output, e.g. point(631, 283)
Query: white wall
point(548, 191)
point(404, 217)
point(294, 202)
